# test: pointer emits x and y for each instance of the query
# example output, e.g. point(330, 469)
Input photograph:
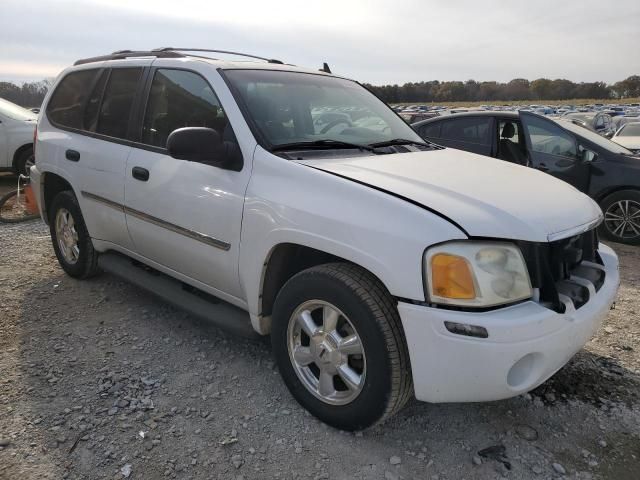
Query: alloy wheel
point(622, 219)
point(67, 236)
point(326, 352)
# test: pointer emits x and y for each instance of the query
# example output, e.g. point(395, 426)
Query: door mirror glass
point(588, 155)
point(196, 144)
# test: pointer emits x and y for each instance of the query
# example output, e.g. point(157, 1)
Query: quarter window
point(115, 111)
point(180, 98)
point(469, 129)
point(546, 137)
point(67, 102)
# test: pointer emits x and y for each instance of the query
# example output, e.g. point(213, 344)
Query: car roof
point(253, 62)
point(488, 113)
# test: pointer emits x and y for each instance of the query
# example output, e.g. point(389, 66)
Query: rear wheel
point(71, 240)
point(339, 345)
point(622, 217)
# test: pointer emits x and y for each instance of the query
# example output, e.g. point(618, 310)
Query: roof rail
point(240, 54)
point(122, 54)
point(165, 52)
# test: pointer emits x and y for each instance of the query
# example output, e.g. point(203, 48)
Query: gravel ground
point(98, 379)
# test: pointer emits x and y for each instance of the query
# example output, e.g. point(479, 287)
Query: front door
point(554, 150)
point(185, 215)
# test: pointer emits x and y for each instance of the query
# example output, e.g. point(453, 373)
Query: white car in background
point(17, 126)
point(629, 136)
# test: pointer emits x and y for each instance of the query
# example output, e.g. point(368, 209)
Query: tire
point(364, 304)
point(86, 258)
point(24, 162)
point(614, 207)
point(5, 218)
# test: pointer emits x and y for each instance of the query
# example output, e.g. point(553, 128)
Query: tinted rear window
point(469, 129)
point(67, 102)
point(431, 130)
point(117, 102)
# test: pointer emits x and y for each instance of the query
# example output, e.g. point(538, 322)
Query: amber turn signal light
point(451, 277)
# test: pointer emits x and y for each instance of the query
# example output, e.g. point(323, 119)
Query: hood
point(483, 196)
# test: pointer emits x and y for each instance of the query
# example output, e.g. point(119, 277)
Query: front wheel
point(340, 347)
point(622, 217)
point(24, 162)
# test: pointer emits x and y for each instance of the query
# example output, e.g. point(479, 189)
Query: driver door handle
point(140, 173)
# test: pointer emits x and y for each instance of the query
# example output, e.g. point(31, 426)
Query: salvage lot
point(101, 380)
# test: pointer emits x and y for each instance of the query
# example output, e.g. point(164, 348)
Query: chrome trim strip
point(200, 237)
point(105, 201)
point(570, 232)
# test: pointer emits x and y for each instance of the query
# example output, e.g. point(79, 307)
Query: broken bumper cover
point(527, 344)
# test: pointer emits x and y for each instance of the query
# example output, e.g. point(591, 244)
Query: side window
point(93, 103)
point(66, 104)
point(115, 111)
point(545, 137)
point(177, 99)
point(431, 130)
point(468, 129)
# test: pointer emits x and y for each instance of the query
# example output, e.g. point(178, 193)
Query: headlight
point(476, 274)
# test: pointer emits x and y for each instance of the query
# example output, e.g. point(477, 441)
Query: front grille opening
point(551, 266)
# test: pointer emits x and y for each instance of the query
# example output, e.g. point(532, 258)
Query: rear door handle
point(72, 155)
point(140, 173)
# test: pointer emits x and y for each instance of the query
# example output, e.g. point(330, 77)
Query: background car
point(629, 136)
point(17, 126)
point(606, 171)
point(598, 122)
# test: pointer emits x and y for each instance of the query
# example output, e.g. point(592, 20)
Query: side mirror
point(588, 156)
point(197, 144)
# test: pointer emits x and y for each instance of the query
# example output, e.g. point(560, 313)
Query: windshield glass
point(595, 138)
point(292, 107)
point(16, 112)
point(630, 130)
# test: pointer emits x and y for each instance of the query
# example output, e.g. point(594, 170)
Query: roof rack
point(165, 52)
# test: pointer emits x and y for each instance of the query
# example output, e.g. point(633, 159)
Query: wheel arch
point(600, 196)
point(19, 151)
point(52, 184)
point(284, 261)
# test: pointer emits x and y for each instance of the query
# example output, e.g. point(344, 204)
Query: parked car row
point(606, 171)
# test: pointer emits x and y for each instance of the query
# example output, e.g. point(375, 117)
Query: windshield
point(16, 112)
point(630, 130)
point(595, 138)
point(291, 107)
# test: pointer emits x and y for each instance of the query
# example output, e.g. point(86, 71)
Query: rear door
point(90, 114)
point(470, 133)
point(554, 150)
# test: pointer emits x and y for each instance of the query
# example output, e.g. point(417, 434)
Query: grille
point(565, 272)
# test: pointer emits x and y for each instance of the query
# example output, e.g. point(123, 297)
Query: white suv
point(17, 126)
point(296, 203)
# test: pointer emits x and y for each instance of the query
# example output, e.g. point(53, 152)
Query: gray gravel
point(101, 380)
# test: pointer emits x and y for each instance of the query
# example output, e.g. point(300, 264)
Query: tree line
point(517, 89)
point(31, 94)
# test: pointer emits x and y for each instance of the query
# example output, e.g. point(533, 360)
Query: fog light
point(466, 329)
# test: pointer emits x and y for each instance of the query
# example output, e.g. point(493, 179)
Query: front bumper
point(527, 344)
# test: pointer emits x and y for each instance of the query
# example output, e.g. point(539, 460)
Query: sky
point(373, 41)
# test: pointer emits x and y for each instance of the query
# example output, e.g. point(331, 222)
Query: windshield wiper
point(321, 144)
point(397, 141)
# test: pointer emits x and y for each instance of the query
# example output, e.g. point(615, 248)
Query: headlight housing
point(476, 274)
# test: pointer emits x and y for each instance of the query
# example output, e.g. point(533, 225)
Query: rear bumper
point(527, 344)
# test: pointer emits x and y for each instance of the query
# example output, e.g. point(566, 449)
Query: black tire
point(610, 227)
point(23, 160)
point(11, 219)
point(86, 264)
point(373, 313)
